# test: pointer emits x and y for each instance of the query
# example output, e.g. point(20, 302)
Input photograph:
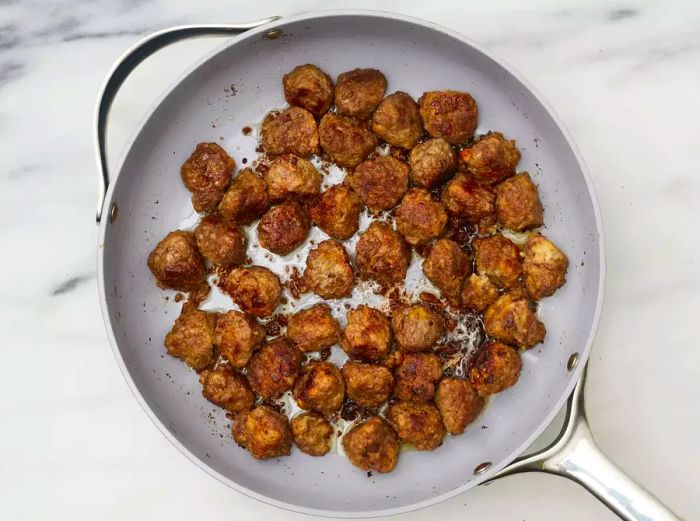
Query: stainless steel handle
point(128, 62)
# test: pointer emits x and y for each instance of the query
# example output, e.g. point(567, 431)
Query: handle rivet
point(273, 34)
point(573, 360)
point(113, 212)
point(482, 467)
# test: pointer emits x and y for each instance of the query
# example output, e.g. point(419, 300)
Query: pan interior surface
point(233, 88)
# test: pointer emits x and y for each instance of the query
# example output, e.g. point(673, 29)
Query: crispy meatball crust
point(328, 271)
point(292, 131)
point(449, 114)
point(337, 212)
point(463, 197)
point(367, 334)
point(418, 424)
point(381, 254)
point(236, 337)
point(263, 431)
point(491, 159)
point(255, 289)
point(227, 388)
point(420, 218)
point(518, 204)
point(312, 433)
point(347, 141)
point(313, 329)
point(544, 267)
point(246, 199)
point(176, 263)
point(372, 445)
point(359, 91)
point(495, 367)
point(274, 368)
point(416, 328)
point(431, 162)
point(368, 385)
point(223, 244)
point(511, 320)
point(310, 88)
point(284, 228)
point(207, 174)
point(291, 177)
point(478, 293)
point(397, 120)
point(459, 404)
point(416, 377)
point(320, 387)
point(447, 266)
point(498, 258)
point(191, 338)
point(380, 182)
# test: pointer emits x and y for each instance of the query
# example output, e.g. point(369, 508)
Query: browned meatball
point(397, 120)
point(491, 159)
point(418, 424)
point(416, 328)
point(291, 177)
point(478, 293)
point(283, 228)
point(380, 182)
point(328, 271)
point(310, 88)
point(346, 140)
point(372, 445)
point(367, 334)
point(292, 131)
point(237, 336)
point(419, 217)
point(511, 320)
point(227, 388)
point(449, 114)
point(431, 162)
point(544, 267)
point(495, 367)
point(313, 329)
point(447, 266)
point(176, 262)
point(416, 377)
point(518, 204)
point(221, 243)
point(255, 289)
point(274, 368)
point(368, 385)
point(498, 258)
point(337, 212)
point(246, 199)
point(459, 404)
point(312, 433)
point(207, 174)
point(463, 197)
point(264, 432)
point(359, 91)
point(191, 338)
point(381, 254)
point(320, 387)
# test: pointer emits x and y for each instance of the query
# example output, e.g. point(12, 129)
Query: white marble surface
point(75, 444)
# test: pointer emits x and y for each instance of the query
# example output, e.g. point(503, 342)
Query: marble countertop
point(623, 76)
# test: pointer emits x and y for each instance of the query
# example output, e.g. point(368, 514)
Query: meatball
point(380, 182)
point(381, 254)
point(372, 445)
point(449, 114)
point(511, 320)
point(207, 174)
point(291, 177)
point(397, 120)
point(498, 258)
point(310, 88)
point(368, 385)
point(312, 433)
point(236, 337)
point(495, 367)
point(478, 293)
point(358, 92)
point(544, 268)
point(227, 388)
point(191, 338)
point(518, 204)
point(459, 404)
point(447, 266)
point(347, 141)
point(274, 368)
point(292, 131)
point(367, 334)
point(491, 159)
point(255, 289)
point(320, 387)
point(466, 199)
point(418, 424)
point(431, 162)
point(313, 329)
point(416, 377)
point(337, 212)
point(420, 218)
point(221, 243)
point(176, 263)
point(246, 199)
point(263, 431)
point(416, 328)
point(328, 271)
point(283, 228)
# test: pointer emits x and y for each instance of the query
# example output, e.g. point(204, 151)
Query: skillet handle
point(128, 62)
point(574, 455)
